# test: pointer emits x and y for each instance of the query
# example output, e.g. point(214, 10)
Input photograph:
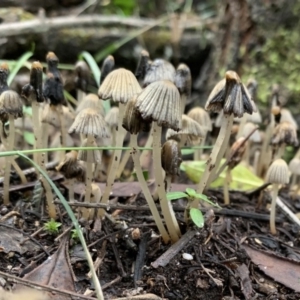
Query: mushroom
point(120, 85)
point(294, 167)
point(232, 96)
point(278, 174)
point(82, 78)
point(107, 66)
point(4, 72)
point(142, 66)
point(91, 101)
point(11, 108)
point(134, 123)
point(160, 102)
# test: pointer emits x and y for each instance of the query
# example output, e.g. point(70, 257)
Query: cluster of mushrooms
point(152, 100)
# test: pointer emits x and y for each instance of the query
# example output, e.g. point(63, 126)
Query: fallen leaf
point(246, 285)
point(285, 271)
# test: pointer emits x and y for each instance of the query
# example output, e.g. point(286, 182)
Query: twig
point(287, 211)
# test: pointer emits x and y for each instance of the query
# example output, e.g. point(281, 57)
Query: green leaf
point(205, 198)
point(145, 174)
point(187, 151)
point(197, 217)
point(242, 178)
point(29, 137)
point(190, 192)
point(176, 195)
point(20, 63)
point(93, 66)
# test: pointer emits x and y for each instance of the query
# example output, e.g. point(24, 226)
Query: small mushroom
point(91, 101)
point(142, 66)
point(183, 81)
point(82, 79)
point(107, 66)
point(4, 72)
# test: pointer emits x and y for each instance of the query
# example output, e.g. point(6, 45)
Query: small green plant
point(52, 227)
point(190, 212)
point(74, 235)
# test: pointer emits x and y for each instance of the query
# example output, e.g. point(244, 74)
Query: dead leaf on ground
point(54, 272)
point(246, 285)
point(280, 269)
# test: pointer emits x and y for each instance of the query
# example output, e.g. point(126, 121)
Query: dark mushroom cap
point(4, 72)
point(142, 66)
point(120, 85)
point(278, 172)
point(107, 66)
point(232, 96)
point(183, 79)
point(160, 102)
point(285, 133)
point(171, 157)
point(83, 74)
point(10, 104)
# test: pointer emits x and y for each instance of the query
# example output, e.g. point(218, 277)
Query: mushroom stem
point(146, 153)
point(44, 140)
point(89, 177)
point(255, 161)
point(166, 205)
point(139, 173)
point(36, 128)
point(10, 146)
point(198, 152)
point(280, 151)
point(215, 156)
point(183, 102)
point(226, 186)
point(247, 154)
point(116, 158)
point(63, 129)
point(80, 95)
point(123, 162)
point(275, 189)
point(71, 190)
point(168, 181)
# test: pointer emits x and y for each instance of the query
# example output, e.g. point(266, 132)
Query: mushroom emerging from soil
point(11, 108)
point(82, 79)
point(232, 96)
point(278, 174)
point(134, 124)
point(183, 81)
point(120, 85)
point(160, 102)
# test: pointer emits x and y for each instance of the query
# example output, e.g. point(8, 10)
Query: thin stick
point(166, 205)
point(273, 208)
point(145, 189)
point(19, 171)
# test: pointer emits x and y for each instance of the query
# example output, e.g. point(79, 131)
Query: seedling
point(192, 213)
point(74, 235)
point(52, 227)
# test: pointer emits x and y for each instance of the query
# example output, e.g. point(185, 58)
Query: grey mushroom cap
point(120, 85)
point(159, 69)
point(255, 136)
point(10, 104)
point(171, 157)
point(83, 74)
point(294, 166)
point(201, 116)
point(231, 95)
point(90, 122)
point(112, 117)
point(183, 79)
point(160, 102)
point(91, 101)
point(278, 172)
point(285, 133)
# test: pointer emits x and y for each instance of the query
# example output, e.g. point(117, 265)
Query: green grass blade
point(19, 64)
point(93, 65)
point(75, 222)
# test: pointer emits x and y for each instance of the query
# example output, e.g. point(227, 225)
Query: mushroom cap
point(160, 102)
point(278, 172)
point(107, 66)
point(171, 157)
point(51, 115)
point(183, 79)
point(90, 122)
point(201, 116)
point(4, 72)
point(83, 74)
point(51, 56)
point(294, 166)
point(159, 69)
point(255, 136)
point(143, 65)
point(192, 130)
point(231, 95)
point(10, 104)
point(120, 85)
point(83, 154)
point(112, 117)
point(237, 152)
point(132, 121)
point(252, 87)
point(285, 133)
point(286, 116)
point(91, 101)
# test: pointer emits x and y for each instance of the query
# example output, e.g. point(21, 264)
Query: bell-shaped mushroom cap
point(278, 172)
point(160, 102)
point(171, 157)
point(252, 87)
point(294, 166)
point(51, 116)
point(90, 122)
point(159, 69)
point(237, 151)
point(286, 116)
point(132, 121)
point(120, 85)
point(142, 66)
point(199, 115)
point(232, 96)
point(70, 167)
point(10, 104)
point(95, 154)
point(112, 117)
point(91, 101)
point(285, 133)
point(183, 79)
point(255, 136)
point(107, 66)
point(190, 130)
point(82, 77)
point(4, 72)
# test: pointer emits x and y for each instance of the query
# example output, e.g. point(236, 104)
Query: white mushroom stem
point(168, 181)
point(183, 102)
point(280, 151)
point(123, 163)
point(275, 188)
point(135, 154)
point(146, 153)
point(89, 177)
point(215, 156)
point(71, 189)
point(63, 129)
point(80, 95)
point(36, 127)
point(115, 159)
point(44, 139)
point(198, 152)
point(95, 198)
point(166, 205)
